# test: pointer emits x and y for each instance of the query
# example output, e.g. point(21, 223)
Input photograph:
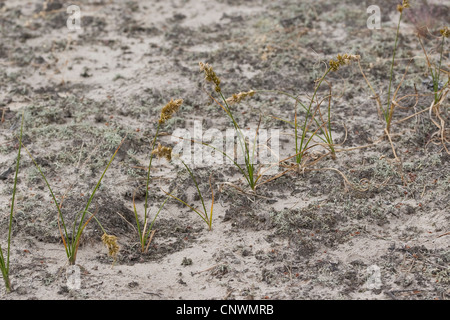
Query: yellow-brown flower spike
point(210, 75)
point(110, 242)
point(445, 32)
point(163, 152)
point(404, 5)
point(236, 98)
point(169, 109)
point(342, 60)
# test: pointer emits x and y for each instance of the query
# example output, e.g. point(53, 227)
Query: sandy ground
point(305, 235)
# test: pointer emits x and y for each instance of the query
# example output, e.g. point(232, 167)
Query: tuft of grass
point(82, 218)
point(304, 134)
point(387, 111)
point(250, 173)
point(438, 92)
point(206, 217)
point(4, 262)
point(146, 232)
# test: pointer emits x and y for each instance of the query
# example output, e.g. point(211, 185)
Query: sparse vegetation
point(71, 240)
point(346, 199)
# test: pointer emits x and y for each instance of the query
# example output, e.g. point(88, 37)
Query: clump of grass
point(250, 173)
point(440, 91)
point(304, 134)
point(400, 9)
point(206, 217)
point(435, 76)
point(387, 111)
point(4, 262)
point(146, 233)
point(166, 152)
point(82, 218)
point(325, 128)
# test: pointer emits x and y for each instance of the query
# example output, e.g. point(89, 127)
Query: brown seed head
point(111, 243)
point(445, 32)
point(236, 98)
point(169, 109)
point(402, 6)
point(343, 60)
point(210, 75)
point(163, 152)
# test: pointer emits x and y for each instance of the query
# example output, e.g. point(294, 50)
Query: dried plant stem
point(441, 125)
point(392, 145)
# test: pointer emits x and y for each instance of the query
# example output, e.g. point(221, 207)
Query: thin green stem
point(148, 173)
point(14, 195)
point(436, 81)
point(386, 113)
point(4, 265)
point(329, 135)
point(248, 161)
point(302, 147)
point(154, 219)
point(196, 185)
point(189, 206)
point(303, 106)
point(98, 222)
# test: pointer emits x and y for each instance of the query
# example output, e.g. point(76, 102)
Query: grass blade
point(4, 264)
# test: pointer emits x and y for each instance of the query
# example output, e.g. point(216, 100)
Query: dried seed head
point(445, 32)
point(169, 109)
point(210, 75)
point(404, 5)
point(163, 152)
point(236, 98)
point(343, 60)
point(110, 242)
point(334, 65)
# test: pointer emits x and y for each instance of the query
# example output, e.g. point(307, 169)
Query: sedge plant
point(436, 74)
point(303, 134)
point(82, 218)
point(325, 128)
point(302, 142)
point(387, 110)
point(302, 139)
point(4, 261)
point(205, 215)
point(145, 231)
point(249, 171)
